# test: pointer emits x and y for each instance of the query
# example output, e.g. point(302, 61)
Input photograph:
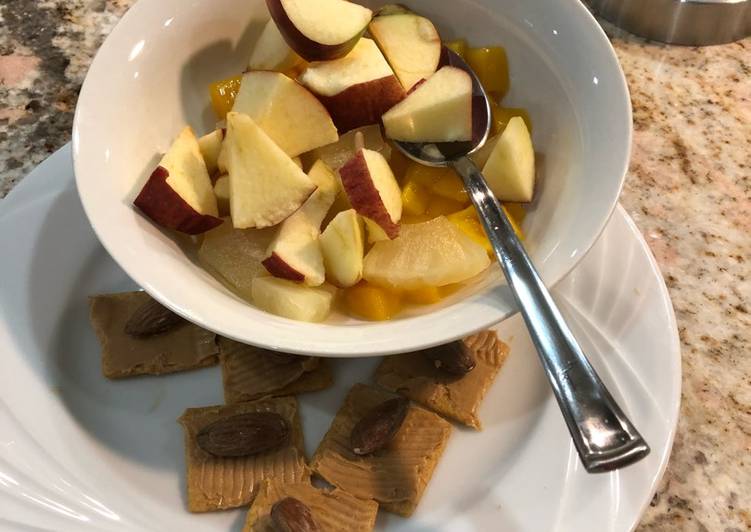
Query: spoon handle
point(604, 437)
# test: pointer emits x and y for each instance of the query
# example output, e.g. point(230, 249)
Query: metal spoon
point(604, 437)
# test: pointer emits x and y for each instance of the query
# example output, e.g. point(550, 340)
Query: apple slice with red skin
point(265, 184)
point(295, 252)
point(287, 112)
point(374, 193)
point(356, 89)
point(271, 51)
point(292, 300)
point(438, 110)
point(320, 30)
point(410, 43)
point(178, 195)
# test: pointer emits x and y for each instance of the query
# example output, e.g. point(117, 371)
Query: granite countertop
point(688, 189)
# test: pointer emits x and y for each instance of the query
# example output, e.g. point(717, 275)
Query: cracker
point(416, 377)
point(183, 348)
point(332, 510)
point(215, 483)
point(248, 373)
point(395, 476)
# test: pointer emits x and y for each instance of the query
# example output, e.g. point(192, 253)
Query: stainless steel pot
point(689, 22)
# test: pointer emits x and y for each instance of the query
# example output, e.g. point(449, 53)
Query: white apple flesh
point(271, 51)
point(373, 192)
point(221, 191)
point(292, 300)
point(342, 247)
point(438, 110)
point(266, 186)
point(211, 145)
point(410, 43)
point(320, 30)
point(510, 168)
point(286, 111)
point(295, 252)
point(356, 89)
point(178, 195)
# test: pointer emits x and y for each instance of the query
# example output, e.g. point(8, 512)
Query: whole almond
point(244, 434)
point(454, 358)
point(292, 515)
point(151, 319)
point(378, 426)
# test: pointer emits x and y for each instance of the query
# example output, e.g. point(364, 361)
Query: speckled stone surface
point(688, 189)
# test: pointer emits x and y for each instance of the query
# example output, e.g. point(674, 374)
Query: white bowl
point(150, 78)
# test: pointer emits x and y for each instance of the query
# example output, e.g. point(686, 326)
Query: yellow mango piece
point(415, 198)
point(372, 302)
point(459, 46)
point(470, 226)
point(491, 66)
point(502, 115)
point(450, 186)
point(516, 214)
point(444, 182)
point(468, 222)
point(223, 94)
point(443, 206)
point(424, 296)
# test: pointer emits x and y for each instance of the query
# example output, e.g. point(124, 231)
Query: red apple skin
point(159, 202)
point(363, 104)
point(363, 195)
point(304, 47)
point(276, 266)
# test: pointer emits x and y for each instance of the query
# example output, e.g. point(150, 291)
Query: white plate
point(78, 452)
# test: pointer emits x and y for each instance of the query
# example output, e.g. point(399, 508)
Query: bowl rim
point(298, 341)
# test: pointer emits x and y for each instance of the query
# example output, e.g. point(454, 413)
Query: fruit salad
point(299, 201)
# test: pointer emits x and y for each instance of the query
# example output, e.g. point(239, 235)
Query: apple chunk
point(211, 145)
point(272, 52)
point(292, 300)
point(342, 247)
point(356, 89)
point(410, 43)
point(221, 191)
point(178, 195)
point(295, 252)
point(286, 111)
point(320, 30)
point(439, 110)
point(510, 168)
point(265, 184)
point(374, 193)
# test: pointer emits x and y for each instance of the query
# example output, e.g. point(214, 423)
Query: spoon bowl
point(442, 153)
